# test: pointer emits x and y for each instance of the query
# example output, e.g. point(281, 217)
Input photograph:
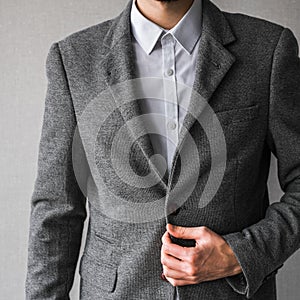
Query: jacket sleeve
point(57, 205)
point(262, 248)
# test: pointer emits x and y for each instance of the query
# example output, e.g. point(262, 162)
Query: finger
point(185, 232)
point(181, 253)
point(179, 282)
point(166, 238)
point(172, 262)
point(175, 274)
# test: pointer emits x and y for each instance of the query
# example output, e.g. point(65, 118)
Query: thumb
point(192, 233)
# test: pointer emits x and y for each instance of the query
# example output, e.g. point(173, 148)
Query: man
point(246, 71)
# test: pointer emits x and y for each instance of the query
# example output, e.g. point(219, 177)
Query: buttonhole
point(218, 66)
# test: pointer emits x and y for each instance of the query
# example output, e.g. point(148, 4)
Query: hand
point(211, 258)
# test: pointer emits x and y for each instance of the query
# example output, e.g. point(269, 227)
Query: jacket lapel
point(118, 68)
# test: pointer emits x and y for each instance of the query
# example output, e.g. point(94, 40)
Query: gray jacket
point(248, 71)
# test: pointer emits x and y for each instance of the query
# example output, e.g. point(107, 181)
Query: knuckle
point(163, 239)
point(163, 260)
point(191, 259)
point(204, 242)
point(187, 269)
point(182, 230)
point(191, 271)
point(165, 248)
point(204, 230)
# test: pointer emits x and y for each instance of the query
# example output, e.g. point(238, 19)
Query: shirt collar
point(187, 31)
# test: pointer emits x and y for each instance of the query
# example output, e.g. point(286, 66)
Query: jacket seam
point(268, 133)
point(68, 200)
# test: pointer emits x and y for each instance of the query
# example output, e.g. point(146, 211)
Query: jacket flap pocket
point(96, 273)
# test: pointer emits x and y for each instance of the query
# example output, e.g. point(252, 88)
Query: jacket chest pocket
point(244, 129)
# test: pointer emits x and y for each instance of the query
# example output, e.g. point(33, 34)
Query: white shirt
point(171, 55)
point(167, 54)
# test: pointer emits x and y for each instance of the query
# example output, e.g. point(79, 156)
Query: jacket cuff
point(238, 283)
point(251, 278)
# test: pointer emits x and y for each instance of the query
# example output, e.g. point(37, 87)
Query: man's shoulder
point(251, 26)
point(87, 36)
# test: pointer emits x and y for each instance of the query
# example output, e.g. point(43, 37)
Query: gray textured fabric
point(249, 71)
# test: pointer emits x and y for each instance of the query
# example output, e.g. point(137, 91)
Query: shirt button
point(171, 125)
point(170, 72)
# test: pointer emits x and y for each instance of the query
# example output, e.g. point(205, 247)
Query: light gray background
point(27, 29)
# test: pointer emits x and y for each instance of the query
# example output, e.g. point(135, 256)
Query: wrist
point(233, 264)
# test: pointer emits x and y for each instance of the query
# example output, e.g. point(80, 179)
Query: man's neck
point(164, 14)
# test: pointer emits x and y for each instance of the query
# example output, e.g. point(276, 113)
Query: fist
point(211, 258)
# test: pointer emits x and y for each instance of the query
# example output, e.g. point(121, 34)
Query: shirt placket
point(170, 96)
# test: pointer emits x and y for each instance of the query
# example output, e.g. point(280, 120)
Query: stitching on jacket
point(68, 200)
point(268, 134)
